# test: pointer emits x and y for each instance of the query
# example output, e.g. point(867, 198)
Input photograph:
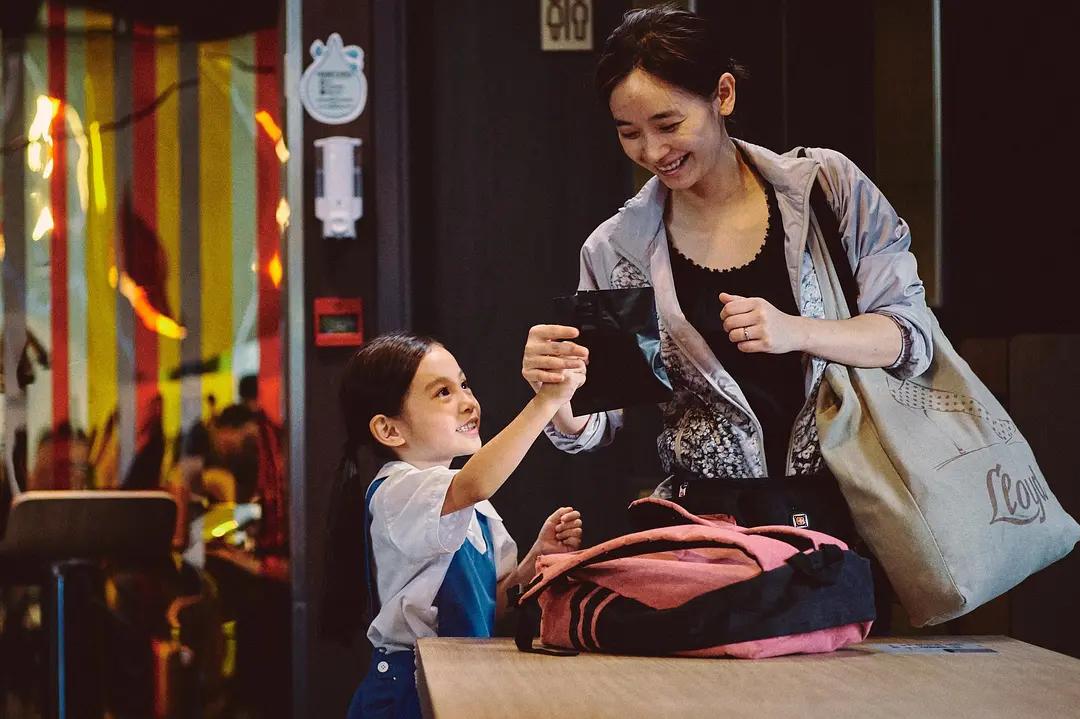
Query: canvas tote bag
point(941, 484)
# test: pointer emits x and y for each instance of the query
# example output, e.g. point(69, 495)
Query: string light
point(100, 201)
point(284, 212)
point(39, 150)
point(82, 172)
point(44, 224)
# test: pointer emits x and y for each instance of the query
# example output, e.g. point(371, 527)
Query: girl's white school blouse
point(413, 544)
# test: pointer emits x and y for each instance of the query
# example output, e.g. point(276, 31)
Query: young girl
point(438, 559)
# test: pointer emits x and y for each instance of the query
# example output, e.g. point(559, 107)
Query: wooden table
point(476, 678)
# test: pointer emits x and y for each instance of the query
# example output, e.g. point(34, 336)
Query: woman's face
point(674, 134)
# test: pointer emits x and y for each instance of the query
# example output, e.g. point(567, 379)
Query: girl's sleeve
point(878, 243)
point(410, 504)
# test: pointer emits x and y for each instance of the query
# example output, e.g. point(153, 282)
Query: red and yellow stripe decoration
point(155, 212)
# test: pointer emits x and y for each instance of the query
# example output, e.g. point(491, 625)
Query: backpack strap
point(655, 512)
point(830, 230)
point(528, 622)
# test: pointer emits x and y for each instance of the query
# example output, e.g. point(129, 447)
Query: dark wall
point(1010, 113)
point(810, 73)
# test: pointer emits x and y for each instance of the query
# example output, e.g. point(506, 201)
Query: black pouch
point(620, 329)
point(805, 501)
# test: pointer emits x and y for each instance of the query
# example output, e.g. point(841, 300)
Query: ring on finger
point(745, 334)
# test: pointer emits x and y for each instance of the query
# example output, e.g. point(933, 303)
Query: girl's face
point(440, 417)
point(674, 134)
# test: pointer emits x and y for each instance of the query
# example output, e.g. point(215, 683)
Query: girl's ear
point(386, 431)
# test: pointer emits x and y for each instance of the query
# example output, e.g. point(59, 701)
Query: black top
point(772, 383)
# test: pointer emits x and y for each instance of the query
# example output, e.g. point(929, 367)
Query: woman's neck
point(726, 184)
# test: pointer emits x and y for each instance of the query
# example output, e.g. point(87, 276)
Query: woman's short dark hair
point(679, 47)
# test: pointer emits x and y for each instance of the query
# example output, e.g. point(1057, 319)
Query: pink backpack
point(699, 587)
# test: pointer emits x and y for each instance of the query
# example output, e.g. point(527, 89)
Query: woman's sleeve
point(601, 428)
point(878, 242)
point(410, 506)
point(599, 432)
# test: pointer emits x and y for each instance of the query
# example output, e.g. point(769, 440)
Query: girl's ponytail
point(345, 605)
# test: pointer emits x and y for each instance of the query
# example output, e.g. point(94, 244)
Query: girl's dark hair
point(375, 381)
point(676, 45)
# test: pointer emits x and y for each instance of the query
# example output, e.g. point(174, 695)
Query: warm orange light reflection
point(276, 270)
point(150, 317)
point(266, 122)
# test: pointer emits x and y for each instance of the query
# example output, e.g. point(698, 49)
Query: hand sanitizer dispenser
point(339, 201)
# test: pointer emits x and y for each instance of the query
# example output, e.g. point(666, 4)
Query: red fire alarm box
point(339, 321)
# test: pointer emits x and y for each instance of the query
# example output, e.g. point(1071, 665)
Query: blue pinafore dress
point(466, 604)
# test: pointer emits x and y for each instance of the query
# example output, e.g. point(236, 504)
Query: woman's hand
point(755, 325)
point(548, 352)
point(561, 532)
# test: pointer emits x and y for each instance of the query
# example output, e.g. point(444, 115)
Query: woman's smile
point(672, 168)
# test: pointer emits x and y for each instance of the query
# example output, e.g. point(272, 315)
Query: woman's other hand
point(755, 325)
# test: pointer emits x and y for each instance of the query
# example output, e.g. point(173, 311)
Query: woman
point(723, 233)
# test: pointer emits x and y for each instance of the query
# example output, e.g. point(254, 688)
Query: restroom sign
point(566, 25)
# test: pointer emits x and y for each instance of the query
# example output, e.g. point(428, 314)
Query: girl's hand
point(547, 353)
point(561, 532)
point(756, 326)
point(561, 392)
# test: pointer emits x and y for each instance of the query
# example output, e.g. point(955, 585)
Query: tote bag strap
point(830, 228)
